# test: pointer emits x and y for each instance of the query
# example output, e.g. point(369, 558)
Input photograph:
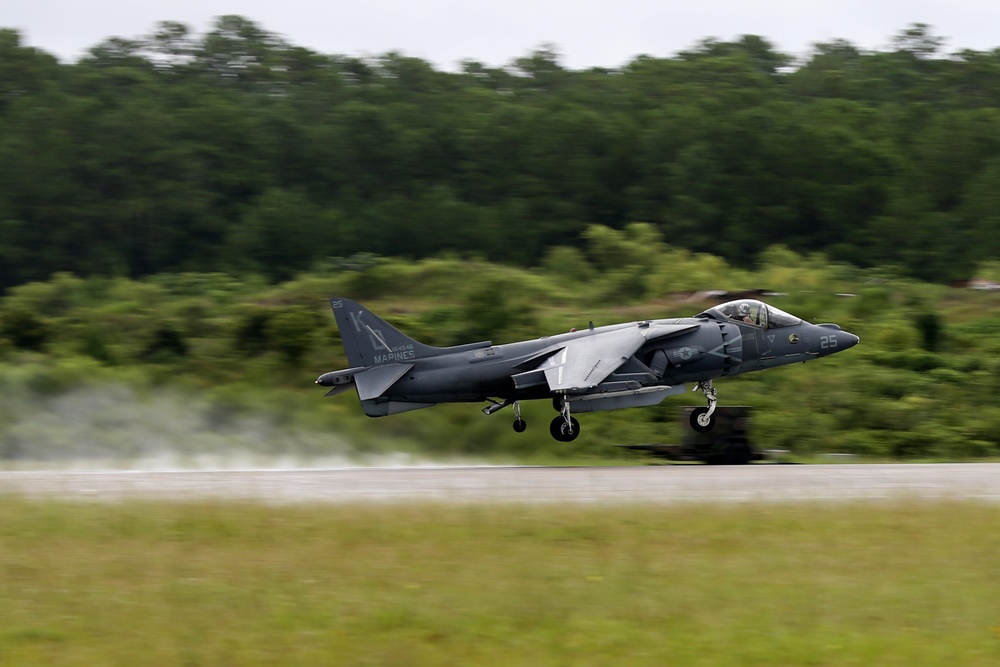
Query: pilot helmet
point(744, 309)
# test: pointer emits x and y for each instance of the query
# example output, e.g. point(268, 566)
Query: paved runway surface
point(647, 484)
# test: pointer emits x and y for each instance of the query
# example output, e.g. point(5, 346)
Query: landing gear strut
point(565, 427)
point(703, 419)
point(519, 424)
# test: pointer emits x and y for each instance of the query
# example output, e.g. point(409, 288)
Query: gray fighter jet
point(598, 368)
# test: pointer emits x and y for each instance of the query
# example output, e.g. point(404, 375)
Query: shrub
point(24, 329)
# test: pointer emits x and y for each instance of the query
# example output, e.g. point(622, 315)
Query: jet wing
point(583, 363)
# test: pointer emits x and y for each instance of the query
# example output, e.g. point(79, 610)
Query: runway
point(641, 485)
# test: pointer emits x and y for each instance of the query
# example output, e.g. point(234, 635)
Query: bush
point(24, 329)
point(251, 332)
point(290, 331)
point(166, 346)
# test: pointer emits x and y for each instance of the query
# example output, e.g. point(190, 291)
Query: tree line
point(238, 151)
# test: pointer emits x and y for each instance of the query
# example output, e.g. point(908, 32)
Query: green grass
point(243, 584)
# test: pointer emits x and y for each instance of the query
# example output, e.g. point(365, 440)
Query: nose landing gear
point(703, 419)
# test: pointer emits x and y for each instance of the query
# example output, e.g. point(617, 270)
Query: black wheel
point(564, 432)
point(700, 421)
point(520, 425)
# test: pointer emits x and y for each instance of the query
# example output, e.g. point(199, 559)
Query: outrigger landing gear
point(519, 424)
point(565, 427)
point(703, 419)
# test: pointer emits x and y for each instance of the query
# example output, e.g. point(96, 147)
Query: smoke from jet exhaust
point(116, 426)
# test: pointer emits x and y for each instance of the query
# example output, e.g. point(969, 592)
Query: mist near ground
point(120, 427)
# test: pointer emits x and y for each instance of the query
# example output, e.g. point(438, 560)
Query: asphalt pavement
point(640, 484)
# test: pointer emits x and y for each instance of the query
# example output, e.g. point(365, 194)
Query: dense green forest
point(237, 151)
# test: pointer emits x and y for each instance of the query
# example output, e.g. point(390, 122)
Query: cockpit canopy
point(751, 311)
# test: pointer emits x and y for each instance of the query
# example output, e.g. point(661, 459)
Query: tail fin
point(371, 341)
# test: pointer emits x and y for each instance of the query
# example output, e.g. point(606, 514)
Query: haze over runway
point(587, 33)
point(609, 485)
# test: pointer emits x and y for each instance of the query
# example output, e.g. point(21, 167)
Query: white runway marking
point(647, 484)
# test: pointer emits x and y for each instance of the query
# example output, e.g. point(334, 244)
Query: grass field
point(914, 583)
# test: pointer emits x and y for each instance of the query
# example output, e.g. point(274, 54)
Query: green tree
point(281, 234)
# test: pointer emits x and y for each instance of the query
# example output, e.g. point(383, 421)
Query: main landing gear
point(703, 419)
point(564, 428)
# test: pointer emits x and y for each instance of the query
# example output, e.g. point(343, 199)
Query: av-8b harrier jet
point(627, 365)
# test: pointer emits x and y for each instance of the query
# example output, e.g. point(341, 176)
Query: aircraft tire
point(520, 425)
point(561, 432)
point(696, 420)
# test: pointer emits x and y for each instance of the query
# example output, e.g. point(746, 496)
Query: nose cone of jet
point(831, 339)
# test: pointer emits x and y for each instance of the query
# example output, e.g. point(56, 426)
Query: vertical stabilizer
point(371, 341)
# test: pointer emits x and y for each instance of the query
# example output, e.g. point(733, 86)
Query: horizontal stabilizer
point(374, 382)
point(339, 389)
